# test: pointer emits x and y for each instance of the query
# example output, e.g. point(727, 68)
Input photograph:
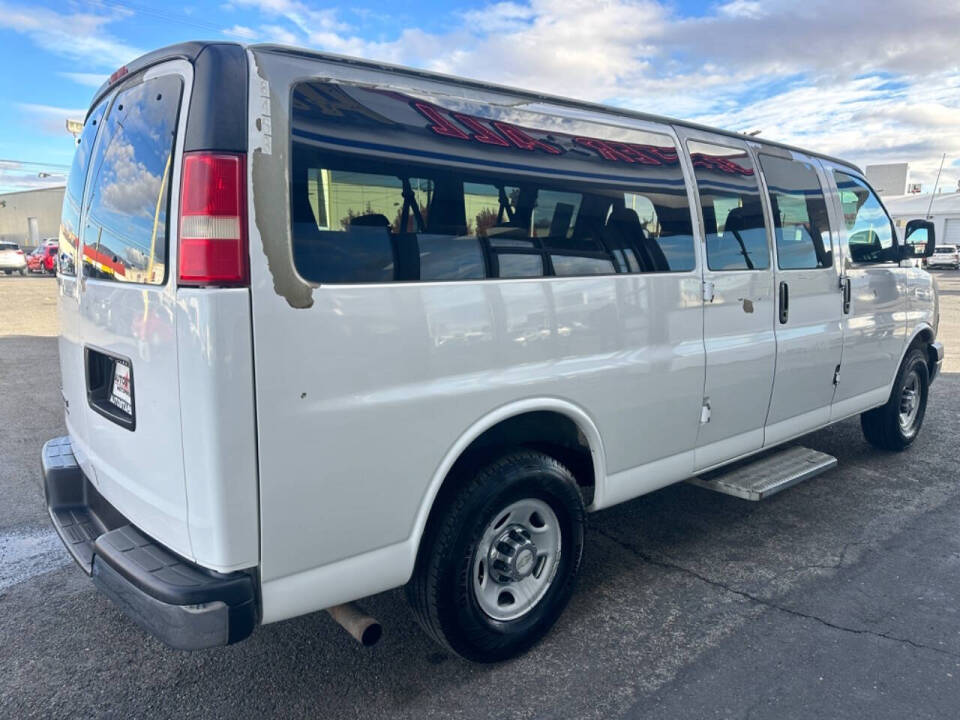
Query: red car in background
point(43, 260)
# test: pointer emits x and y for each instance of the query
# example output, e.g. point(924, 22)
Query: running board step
point(756, 479)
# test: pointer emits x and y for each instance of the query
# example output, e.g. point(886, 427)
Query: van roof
point(190, 51)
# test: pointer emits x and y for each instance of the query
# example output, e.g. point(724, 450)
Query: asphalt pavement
point(837, 598)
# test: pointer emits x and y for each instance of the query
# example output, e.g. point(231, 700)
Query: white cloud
point(312, 23)
point(52, 120)
point(743, 8)
point(869, 83)
point(866, 81)
point(242, 32)
point(14, 176)
point(93, 80)
point(75, 35)
point(279, 34)
point(130, 188)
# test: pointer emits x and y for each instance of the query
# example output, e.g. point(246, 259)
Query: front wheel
point(895, 426)
point(498, 563)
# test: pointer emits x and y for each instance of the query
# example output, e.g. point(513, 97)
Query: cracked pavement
point(837, 598)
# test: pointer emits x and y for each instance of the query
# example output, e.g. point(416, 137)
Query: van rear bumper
point(186, 606)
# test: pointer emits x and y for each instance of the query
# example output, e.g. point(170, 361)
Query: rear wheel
point(23, 271)
point(895, 426)
point(498, 566)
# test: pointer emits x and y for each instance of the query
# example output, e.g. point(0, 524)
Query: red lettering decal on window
point(724, 165)
point(440, 124)
point(481, 133)
point(666, 155)
point(637, 153)
point(604, 149)
point(523, 141)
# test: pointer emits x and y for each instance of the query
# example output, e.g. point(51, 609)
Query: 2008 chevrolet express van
point(330, 327)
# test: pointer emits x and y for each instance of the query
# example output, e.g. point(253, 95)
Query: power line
point(28, 162)
point(136, 8)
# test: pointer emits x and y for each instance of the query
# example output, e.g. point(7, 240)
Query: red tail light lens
point(213, 220)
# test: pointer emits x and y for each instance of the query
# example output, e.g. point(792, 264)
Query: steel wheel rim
point(516, 559)
point(910, 403)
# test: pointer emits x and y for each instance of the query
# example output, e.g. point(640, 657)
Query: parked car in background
point(12, 258)
point(35, 260)
point(43, 259)
point(48, 262)
point(945, 256)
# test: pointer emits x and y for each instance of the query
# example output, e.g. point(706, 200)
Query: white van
point(331, 327)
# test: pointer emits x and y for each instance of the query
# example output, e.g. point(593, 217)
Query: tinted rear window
point(9, 246)
point(125, 224)
point(70, 219)
point(387, 188)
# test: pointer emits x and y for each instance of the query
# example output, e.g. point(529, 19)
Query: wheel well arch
point(556, 427)
point(922, 338)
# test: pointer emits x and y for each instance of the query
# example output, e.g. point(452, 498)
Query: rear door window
point(801, 225)
point(73, 196)
point(734, 227)
point(125, 225)
point(388, 188)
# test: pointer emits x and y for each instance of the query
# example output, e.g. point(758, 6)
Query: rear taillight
point(213, 220)
point(19, 252)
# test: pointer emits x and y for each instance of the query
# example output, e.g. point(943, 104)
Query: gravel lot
point(836, 598)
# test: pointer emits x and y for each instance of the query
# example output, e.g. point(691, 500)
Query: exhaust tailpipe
point(355, 621)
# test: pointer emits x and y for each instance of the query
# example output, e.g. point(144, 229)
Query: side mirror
point(919, 240)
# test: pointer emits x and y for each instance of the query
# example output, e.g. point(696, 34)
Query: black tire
point(882, 426)
point(23, 272)
point(441, 591)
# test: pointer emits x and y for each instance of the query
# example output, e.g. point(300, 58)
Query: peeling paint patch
point(271, 190)
point(26, 553)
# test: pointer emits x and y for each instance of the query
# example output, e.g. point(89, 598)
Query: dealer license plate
point(121, 394)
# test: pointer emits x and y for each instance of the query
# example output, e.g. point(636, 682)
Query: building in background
point(889, 179)
point(944, 211)
point(29, 216)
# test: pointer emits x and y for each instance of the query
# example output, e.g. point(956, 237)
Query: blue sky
point(870, 81)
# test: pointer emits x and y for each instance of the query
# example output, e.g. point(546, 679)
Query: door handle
point(847, 294)
point(784, 302)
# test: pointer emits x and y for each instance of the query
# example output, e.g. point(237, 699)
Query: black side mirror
point(919, 240)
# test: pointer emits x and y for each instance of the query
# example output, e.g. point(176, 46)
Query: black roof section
point(218, 104)
point(191, 51)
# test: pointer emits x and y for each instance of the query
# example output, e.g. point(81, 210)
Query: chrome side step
point(756, 479)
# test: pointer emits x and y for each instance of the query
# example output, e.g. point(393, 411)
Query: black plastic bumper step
point(185, 605)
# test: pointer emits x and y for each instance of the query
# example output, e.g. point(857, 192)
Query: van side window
point(73, 196)
point(384, 191)
point(736, 235)
point(870, 234)
point(800, 221)
point(125, 224)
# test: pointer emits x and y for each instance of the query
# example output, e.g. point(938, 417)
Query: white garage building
point(944, 212)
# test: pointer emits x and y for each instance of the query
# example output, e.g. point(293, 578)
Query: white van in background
point(331, 327)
